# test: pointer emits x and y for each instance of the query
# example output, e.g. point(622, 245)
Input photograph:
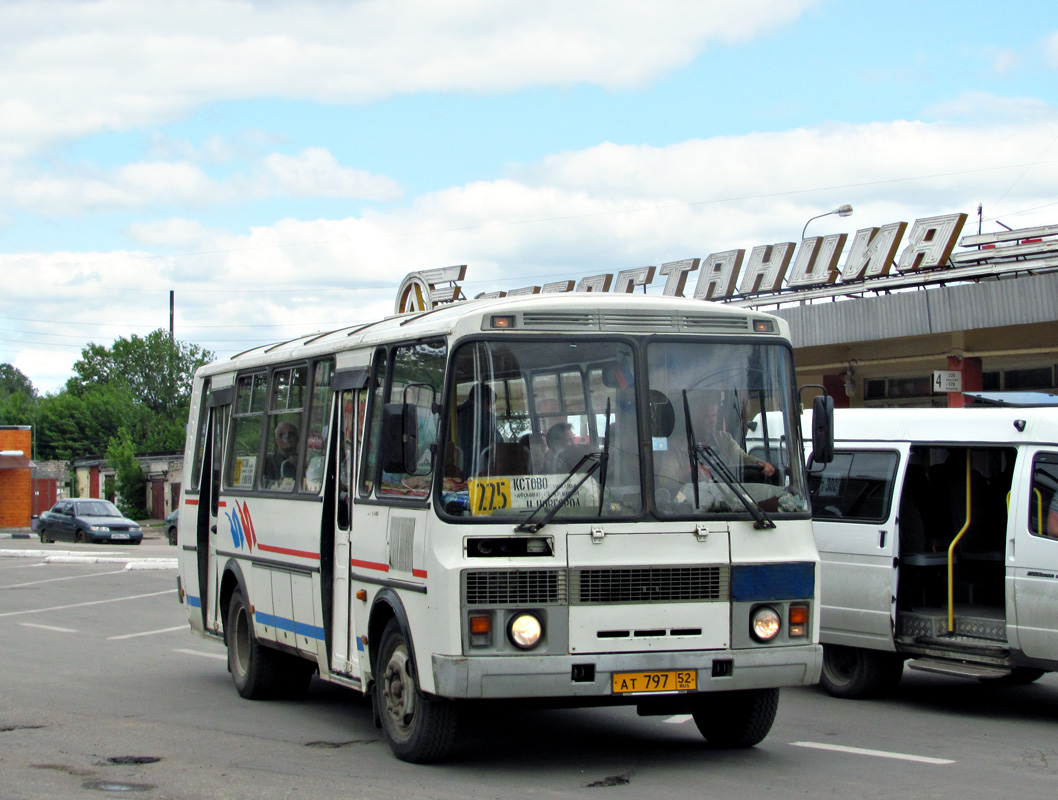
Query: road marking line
point(679, 719)
point(218, 656)
point(47, 627)
point(859, 751)
point(145, 633)
point(64, 578)
point(88, 603)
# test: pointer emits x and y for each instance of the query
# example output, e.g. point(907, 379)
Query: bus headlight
point(525, 631)
point(765, 624)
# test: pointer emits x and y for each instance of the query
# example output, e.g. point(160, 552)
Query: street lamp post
point(841, 211)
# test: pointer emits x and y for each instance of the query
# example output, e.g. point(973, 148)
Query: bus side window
point(377, 388)
point(316, 435)
point(283, 444)
point(350, 421)
point(1043, 502)
point(418, 375)
point(248, 424)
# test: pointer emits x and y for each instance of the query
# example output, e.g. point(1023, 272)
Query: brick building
point(16, 476)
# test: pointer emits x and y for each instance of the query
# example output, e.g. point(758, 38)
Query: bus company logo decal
point(240, 524)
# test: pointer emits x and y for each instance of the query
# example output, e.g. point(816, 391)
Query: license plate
point(670, 681)
point(119, 536)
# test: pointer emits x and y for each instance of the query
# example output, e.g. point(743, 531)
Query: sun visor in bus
point(355, 378)
point(222, 397)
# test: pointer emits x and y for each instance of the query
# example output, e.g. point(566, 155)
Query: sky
point(281, 165)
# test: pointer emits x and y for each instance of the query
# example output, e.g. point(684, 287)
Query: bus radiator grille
point(514, 587)
point(650, 585)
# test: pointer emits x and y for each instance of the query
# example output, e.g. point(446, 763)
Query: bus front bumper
point(497, 677)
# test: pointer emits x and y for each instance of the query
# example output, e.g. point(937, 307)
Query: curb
point(74, 557)
point(18, 536)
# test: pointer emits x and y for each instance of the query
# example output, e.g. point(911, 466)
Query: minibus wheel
point(418, 728)
point(852, 672)
point(735, 719)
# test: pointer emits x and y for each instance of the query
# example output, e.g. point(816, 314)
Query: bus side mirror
point(399, 439)
point(823, 429)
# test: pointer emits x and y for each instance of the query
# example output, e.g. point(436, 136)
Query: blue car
point(88, 520)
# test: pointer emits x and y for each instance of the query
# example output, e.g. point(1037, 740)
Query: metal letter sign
point(774, 275)
point(421, 291)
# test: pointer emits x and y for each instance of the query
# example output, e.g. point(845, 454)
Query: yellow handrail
point(1039, 511)
point(951, 551)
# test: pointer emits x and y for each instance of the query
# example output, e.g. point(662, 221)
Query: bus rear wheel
point(418, 728)
point(736, 719)
point(854, 673)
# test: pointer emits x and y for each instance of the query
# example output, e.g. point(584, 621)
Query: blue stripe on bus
point(289, 625)
point(750, 582)
point(194, 602)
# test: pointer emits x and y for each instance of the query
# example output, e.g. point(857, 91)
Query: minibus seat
point(506, 458)
point(915, 511)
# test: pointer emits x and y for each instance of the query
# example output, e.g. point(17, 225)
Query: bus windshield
point(544, 430)
point(729, 430)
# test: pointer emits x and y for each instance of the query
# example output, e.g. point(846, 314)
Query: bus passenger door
point(209, 510)
point(854, 518)
point(344, 660)
point(1032, 548)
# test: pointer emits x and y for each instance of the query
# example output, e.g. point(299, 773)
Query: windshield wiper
point(532, 527)
point(706, 456)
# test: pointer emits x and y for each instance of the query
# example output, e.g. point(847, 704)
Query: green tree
point(157, 370)
point(130, 482)
point(18, 398)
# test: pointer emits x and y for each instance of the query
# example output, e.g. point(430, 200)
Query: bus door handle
point(881, 540)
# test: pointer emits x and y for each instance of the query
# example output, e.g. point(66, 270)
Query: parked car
point(87, 520)
point(170, 525)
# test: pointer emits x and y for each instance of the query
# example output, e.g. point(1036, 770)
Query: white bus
point(508, 498)
point(938, 534)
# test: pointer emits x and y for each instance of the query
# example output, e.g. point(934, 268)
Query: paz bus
point(383, 505)
point(938, 534)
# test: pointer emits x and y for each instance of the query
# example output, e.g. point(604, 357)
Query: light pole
point(841, 211)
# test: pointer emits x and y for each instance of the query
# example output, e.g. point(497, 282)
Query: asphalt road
point(98, 669)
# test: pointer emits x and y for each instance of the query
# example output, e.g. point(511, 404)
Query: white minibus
point(938, 535)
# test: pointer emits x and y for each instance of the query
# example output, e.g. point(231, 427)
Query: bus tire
point(255, 669)
point(418, 728)
point(853, 673)
point(736, 719)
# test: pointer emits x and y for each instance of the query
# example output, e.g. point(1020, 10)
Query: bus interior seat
point(505, 458)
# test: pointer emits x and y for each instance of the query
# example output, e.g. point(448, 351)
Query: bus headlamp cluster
point(765, 623)
point(525, 631)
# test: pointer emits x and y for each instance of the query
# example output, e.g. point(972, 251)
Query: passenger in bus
point(476, 427)
point(282, 464)
point(559, 437)
point(704, 419)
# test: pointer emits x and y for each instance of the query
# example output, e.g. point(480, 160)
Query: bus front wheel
point(418, 728)
point(853, 673)
point(253, 668)
point(736, 719)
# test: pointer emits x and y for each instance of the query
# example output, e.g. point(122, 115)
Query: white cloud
point(601, 209)
point(1051, 48)
point(986, 107)
point(314, 172)
point(72, 68)
point(168, 232)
